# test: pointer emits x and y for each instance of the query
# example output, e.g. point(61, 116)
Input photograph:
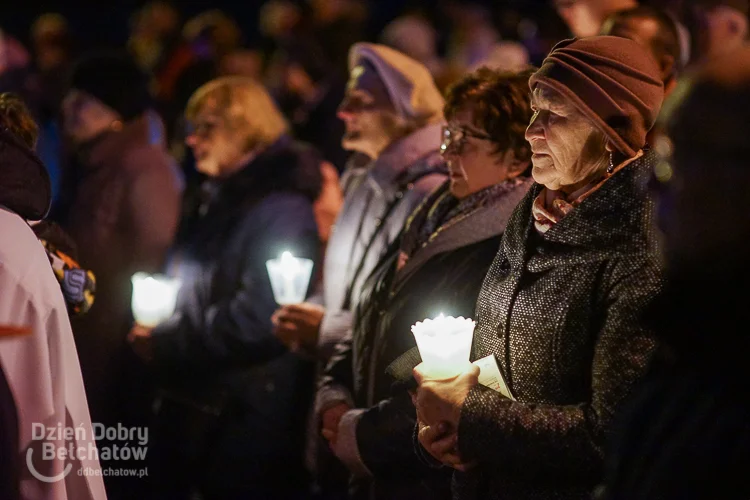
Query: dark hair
point(500, 104)
point(16, 117)
point(667, 39)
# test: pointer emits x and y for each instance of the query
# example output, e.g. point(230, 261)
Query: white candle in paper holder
point(154, 298)
point(444, 344)
point(290, 277)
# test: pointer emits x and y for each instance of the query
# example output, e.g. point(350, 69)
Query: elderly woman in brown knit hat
point(559, 309)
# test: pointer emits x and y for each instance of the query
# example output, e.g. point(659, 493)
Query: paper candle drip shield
point(290, 278)
point(444, 344)
point(154, 298)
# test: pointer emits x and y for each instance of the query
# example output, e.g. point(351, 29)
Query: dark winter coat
point(218, 356)
point(123, 214)
point(379, 195)
point(443, 275)
point(562, 314)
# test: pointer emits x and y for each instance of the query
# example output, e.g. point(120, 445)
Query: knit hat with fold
point(614, 81)
point(409, 83)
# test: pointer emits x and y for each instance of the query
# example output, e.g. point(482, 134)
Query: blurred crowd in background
point(297, 49)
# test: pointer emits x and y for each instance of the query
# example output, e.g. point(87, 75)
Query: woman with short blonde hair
point(244, 104)
point(226, 379)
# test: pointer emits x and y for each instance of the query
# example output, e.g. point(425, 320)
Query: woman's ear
point(667, 67)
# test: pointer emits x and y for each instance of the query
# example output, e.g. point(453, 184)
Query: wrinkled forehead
point(365, 80)
point(544, 96)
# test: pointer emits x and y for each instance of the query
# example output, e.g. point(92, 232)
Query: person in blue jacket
point(231, 412)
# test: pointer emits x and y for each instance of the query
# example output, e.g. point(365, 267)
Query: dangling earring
point(611, 162)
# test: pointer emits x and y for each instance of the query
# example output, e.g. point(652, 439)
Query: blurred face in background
point(662, 41)
point(370, 118)
point(85, 117)
point(218, 148)
point(580, 16)
point(473, 160)
point(718, 30)
point(247, 63)
point(585, 17)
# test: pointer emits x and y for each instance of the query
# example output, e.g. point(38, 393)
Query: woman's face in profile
point(567, 150)
point(217, 146)
point(472, 157)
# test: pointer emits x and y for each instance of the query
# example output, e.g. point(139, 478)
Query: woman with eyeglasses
point(436, 265)
point(231, 413)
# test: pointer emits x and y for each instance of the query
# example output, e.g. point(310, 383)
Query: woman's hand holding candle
point(298, 325)
point(438, 403)
point(440, 400)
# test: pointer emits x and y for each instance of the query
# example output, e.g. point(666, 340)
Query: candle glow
point(444, 344)
point(290, 277)
point(154, 298)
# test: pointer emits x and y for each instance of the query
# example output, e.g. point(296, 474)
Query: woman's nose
point(343, 112)
point(535, 130)
point(191, 140)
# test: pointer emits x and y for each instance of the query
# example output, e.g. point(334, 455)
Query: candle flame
point(287, 256)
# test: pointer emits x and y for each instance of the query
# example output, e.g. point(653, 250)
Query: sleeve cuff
point(330, 395)
point(335, 328)
point(347, 449)
point(479, 419)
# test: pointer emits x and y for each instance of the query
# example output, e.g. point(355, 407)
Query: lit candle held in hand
point(444, 344)
point(290, 278)
point(154, 298)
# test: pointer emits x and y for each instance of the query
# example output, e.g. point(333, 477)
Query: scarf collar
point(442, 210)
point(550, 206)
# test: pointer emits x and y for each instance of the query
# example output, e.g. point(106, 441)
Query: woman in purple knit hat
point(559, 309)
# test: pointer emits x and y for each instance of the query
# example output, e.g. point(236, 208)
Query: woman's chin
point(458, 188)
point(207, 168)
point(544, 177)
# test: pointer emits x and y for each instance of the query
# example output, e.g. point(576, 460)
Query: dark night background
point(100, 23)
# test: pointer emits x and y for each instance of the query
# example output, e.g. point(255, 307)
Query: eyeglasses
point(201, 128)
point(355, 102)
point(454, 138)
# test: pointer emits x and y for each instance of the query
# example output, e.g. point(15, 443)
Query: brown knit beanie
point(614, 81)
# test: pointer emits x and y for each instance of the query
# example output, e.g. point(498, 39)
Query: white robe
point(42, 368)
